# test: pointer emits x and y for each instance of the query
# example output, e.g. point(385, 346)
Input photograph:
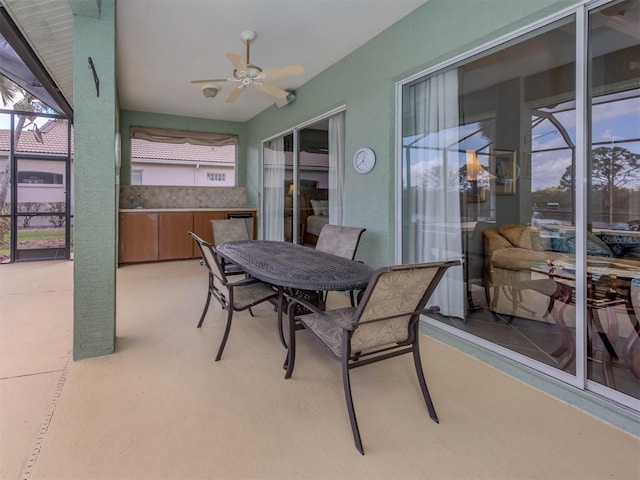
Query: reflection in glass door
point(613, 200)
point(303, 175)
point(313, 182)
point(478, 175)
point(549, 213)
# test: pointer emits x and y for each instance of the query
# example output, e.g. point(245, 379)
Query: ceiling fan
point(247, 74)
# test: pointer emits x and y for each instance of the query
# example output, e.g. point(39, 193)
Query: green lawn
point(35, 238)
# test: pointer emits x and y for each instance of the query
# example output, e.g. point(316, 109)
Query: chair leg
point(423, 383)
point(206, 308)
point(352, 298)
point(291, 348)
point(226, 333)
point(280, 314)
point(352, 413)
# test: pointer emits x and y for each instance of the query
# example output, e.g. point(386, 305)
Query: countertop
point(153, 210)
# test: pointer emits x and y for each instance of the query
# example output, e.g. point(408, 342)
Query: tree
point(9, 91)
point(610, 168)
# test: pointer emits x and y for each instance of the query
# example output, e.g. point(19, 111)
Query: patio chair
point(341, 241)
point(384, 325)
point(233, 296)
point(229, 230)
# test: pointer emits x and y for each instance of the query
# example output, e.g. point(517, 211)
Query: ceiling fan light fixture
point(249, 75)
point(210, 91)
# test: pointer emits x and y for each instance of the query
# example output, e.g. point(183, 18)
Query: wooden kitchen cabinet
point(173, 241)
point(138, 237)
point(202, 227)
point(202, 224)
point(150, 236)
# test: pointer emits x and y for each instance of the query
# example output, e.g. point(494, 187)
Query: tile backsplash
point(151, 196)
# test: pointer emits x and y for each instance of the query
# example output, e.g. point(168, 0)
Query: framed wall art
point(502, 164)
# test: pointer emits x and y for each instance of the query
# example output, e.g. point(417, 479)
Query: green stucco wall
point(365, 82)
point(95, 241)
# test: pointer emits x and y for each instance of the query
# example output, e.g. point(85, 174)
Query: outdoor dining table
point(289, 266)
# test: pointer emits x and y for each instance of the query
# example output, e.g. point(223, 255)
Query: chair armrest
point(321, 315)
point(433, 309)
point(310, 306)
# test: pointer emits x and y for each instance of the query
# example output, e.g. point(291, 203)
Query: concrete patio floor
point(160, 407)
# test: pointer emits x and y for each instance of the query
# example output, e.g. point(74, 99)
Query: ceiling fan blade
point(234, 94)
point(238, 63)
point(283, 71)
point(211, 80)
point(271, 90)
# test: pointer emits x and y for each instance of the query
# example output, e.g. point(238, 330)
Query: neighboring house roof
point(142, 150)
point(49, 139)
point(145, 151)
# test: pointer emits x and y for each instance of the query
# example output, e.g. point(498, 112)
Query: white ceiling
point(163, 44)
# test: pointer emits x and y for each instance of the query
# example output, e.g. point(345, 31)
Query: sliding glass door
point(303, 174)
point(524, 162)
point(613, 198)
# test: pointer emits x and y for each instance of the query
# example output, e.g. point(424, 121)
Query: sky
point(615, 120)
point(5, 121)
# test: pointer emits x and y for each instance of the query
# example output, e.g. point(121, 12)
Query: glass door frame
point(295, 131)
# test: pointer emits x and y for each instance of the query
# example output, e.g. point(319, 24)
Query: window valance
point(166, 135)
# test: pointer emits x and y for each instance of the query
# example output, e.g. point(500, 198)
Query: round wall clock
point(364, 160)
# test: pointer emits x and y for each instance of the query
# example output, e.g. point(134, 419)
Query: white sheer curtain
point(432, 215)
point(336, 168)
point(274, 189)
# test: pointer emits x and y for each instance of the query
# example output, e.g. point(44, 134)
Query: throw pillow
point(519, 235)
point(316, 206)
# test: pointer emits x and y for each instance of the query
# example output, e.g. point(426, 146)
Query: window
point(182, 158)
point(496, 175)
point(47, 178)
point(136, 177)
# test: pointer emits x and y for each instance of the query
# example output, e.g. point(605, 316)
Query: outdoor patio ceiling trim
point(13, 36)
